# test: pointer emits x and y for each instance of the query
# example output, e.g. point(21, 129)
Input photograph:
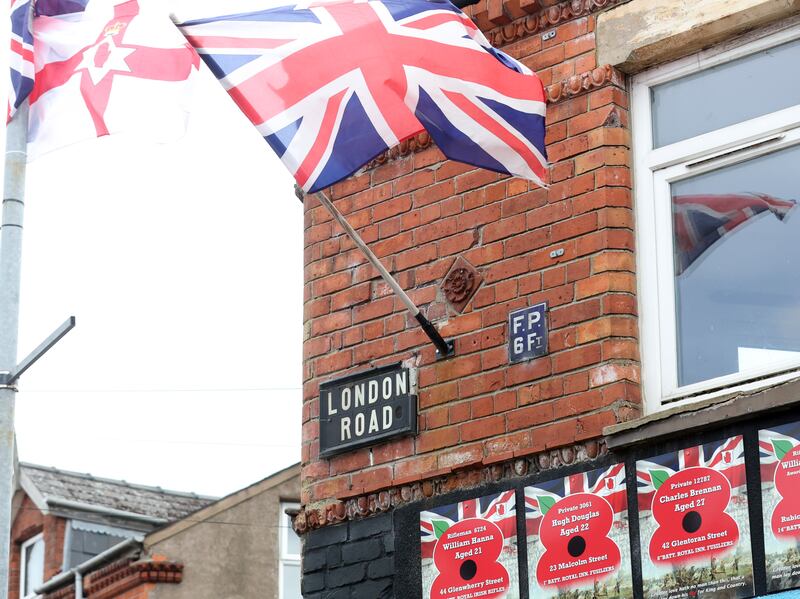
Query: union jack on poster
point(726, 456)
point(704, 219)
point(607, 483)
point(500, 509)
point(331, 85)
point(773, 444)
point(578, 537)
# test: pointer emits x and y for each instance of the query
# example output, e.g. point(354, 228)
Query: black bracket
point(444, 349)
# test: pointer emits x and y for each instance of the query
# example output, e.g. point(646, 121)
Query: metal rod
point(443, 348)
point(10, 255)
point(45, 345)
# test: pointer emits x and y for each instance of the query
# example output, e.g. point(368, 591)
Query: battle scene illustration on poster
point(694, 524)
point(780, 501)
point(469, 549)
point(578, 538)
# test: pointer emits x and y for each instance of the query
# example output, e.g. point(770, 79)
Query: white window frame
point(284, 526)
point(654, 171)
point(23, 565)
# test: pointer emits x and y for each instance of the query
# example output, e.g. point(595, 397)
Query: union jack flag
point(21, 62)
point(330, 85)
point(727, 457)
point(500, 509)
point(702, 220)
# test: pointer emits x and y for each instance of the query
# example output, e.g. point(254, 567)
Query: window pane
point(84, 545)
point(726, 94)
point(292, 540)
point(737, 260)
point(34, 566)
point(291, 581)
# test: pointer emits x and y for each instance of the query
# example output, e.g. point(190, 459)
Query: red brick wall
point(419, 212)
point(28, 523)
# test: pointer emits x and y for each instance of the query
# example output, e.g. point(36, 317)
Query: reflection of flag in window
point(702, 220)
point(500, 509)
point(332, 85)
point(727, 457)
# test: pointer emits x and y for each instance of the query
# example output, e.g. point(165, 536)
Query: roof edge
point(115, 481)
point(228, 501)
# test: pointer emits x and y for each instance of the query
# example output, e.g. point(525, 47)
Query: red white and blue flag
point(702, 220)
point(331, 85)
point(21, 60)
point(21, 63)
point(111, 68)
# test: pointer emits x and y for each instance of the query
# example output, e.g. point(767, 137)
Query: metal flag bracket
point(8, 379)
point(444, 349)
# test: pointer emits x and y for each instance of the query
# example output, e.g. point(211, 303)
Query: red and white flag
point(111, 69)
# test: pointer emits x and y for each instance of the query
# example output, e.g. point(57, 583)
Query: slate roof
point(116, 494)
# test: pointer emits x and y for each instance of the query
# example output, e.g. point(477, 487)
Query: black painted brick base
point(353, 560)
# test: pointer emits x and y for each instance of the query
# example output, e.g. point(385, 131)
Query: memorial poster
point(780, 501)
point(469, 549)
point(694, 525)
point(577, 536)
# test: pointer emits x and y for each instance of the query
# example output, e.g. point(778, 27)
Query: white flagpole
point(444, 349)
point(10, 255)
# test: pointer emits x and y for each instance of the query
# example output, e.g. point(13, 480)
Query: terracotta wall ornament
point(461, 283)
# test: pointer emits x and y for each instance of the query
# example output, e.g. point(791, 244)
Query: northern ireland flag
point(111, 68)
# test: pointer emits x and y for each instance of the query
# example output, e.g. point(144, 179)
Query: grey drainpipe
point(78, 585)
point(77, 572)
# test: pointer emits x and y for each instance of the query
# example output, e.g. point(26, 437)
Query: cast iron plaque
point(527, 333)
point(365, 408)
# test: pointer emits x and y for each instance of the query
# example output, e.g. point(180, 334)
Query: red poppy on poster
point(692, 523)
point(780, 499)
point(469, 549)
point(786, 516)
point(690, 505)
point(466, 557)
point(578, 536)
point(574, 533)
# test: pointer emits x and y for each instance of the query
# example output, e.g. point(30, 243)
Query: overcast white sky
point(183, 266)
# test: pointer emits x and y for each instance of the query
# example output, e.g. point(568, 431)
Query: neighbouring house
point(239, 547)
point(63, 519)
point(102, 539)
